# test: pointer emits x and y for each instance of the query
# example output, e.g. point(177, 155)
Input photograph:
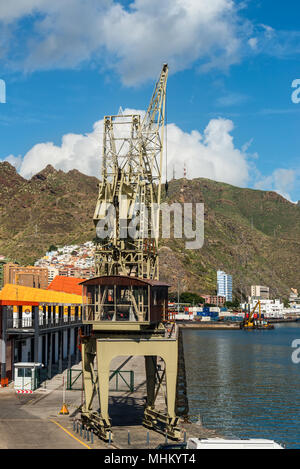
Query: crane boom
point(130, 190)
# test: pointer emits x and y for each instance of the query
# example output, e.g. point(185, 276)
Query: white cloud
point(281, 181)
point(16, 161)
point(275, 43)
point(211, 155)
point(135, 40)
point(253, 43)
point(77, 151)
point(231, 99)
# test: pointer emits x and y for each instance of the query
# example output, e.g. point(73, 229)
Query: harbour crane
point(125, 304)
point(130, 190)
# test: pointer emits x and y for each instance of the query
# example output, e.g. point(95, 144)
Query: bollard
point(184, 438)
point(92, 436)
point(88, 435)
point(77, 427)
point(81, 429)
point(74, 425)
point(109, 437)
point(84, 433)
point(128, 437)
point(166, 440)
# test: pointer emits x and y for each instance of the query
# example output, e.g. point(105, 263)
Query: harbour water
point(244, 383)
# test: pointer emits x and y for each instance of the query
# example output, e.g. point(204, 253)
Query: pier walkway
point(33, 421)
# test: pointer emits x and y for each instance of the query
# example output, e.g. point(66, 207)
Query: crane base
point(100, 426)
point(162, 423)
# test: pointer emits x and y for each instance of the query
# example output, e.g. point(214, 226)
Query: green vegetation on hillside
point(254, 235)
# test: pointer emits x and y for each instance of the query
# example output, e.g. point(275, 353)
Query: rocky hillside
point(254, 235)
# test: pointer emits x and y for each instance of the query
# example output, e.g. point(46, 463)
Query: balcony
point(48, 317)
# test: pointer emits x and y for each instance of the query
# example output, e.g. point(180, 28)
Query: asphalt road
point(21, 429)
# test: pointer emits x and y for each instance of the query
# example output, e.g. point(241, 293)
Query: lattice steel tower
point(130, 190)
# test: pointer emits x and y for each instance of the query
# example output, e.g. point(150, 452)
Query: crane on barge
point(254, 319)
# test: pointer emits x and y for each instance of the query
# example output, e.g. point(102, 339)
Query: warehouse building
point(39, 326)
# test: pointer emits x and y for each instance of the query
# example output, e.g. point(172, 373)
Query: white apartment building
point(52, 272)
point(224, 285)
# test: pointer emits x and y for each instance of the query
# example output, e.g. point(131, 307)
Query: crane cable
point(166, 125)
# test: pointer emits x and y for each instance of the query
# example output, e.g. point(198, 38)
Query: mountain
point(252, 234)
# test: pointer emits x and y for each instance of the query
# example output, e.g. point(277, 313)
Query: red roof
point(66, 284)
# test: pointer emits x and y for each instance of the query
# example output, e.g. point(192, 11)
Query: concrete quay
point(33, 420)
point(210, 326)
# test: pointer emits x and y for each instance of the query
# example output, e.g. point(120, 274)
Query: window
point(24, 372)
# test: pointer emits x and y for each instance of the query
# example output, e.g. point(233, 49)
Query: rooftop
point(19, 293)
point(66, 284)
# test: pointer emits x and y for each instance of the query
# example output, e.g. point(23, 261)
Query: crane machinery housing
point(125, 304)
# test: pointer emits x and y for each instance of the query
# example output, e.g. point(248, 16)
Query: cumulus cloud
point(134, 40)
point(281, 181)
point(77, 151)
point(211, 154)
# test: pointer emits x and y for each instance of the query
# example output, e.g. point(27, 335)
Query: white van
point(219, 443)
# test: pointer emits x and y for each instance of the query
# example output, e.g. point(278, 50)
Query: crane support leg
point(151, 365)
point(106, 350)
point(88, 356)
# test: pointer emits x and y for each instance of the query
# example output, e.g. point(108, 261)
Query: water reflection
point(244, 384)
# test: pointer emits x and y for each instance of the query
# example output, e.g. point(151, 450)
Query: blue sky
point(229, 108)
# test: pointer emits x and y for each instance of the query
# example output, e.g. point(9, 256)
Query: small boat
point(219, 443)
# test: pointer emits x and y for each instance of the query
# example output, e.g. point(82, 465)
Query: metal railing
point(110, 312)
point(45, 321)
point(117, 378)
point(49, 322)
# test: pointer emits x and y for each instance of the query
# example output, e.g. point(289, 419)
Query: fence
point(120, 380)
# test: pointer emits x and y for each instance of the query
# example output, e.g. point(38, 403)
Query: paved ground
point(33, 421)
point(21, 429)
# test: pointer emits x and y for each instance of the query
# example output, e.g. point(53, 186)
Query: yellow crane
point(254, 319)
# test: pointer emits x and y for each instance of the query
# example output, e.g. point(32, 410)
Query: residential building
point(214, 299)
point(52, 272)
point(259, 292)
point(224, 285)
point(3, 261)
point(69, 261)
point(294, 298)
point(35, 277)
